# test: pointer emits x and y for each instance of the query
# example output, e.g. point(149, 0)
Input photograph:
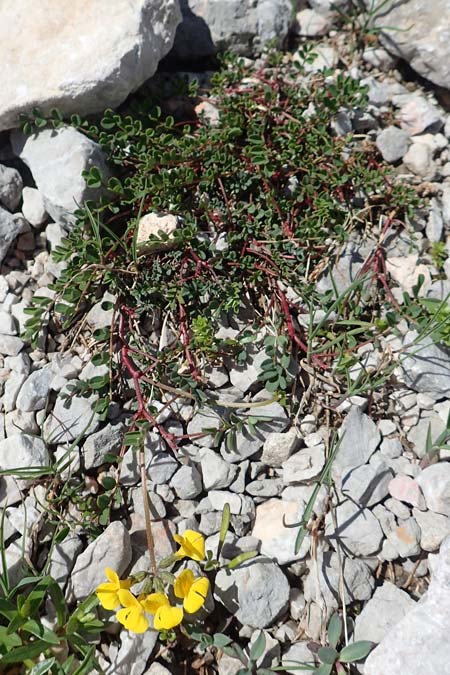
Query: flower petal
point(112, 576)
point(107, 596)
point(183, 583)
point(127, 599)
point(192, 545)
point(196, 596)
point(133, 618)
point(168, 617)
point(151, 603)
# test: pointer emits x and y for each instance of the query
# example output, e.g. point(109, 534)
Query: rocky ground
point(378, 543)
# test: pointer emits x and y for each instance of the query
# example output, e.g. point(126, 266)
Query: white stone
point(80, 58)
point(158, 225)
point(70, 418)
point(323, 580)
point(256, 592)
point(133, 654)
point(405, 270)
point(278, 541)
point(10, 228)
point(434, 528)
point(63, 557)
point(358, 531)
point(393, 143)
point(187, 482)
point(23, 451)
point(419, 160)
point(407, 490)
point(305, 465)
point(299, 652)
point(384, 610)
point(435, 484)
point(311, 23)
point(216, 472)
point(425, 367)
point(111, 549)
point(278, 447)
point(359, 438)
point(56, 159)
point(368, 484)
point(33, 207)
point(35, 390)
point(423, 43)
point(10, 187)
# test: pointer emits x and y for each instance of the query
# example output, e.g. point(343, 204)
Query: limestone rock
point(359, 438)
point(256, 592)
point(10, 228)
point(23, 451)
point(418, 644)
point(384, 610)
point(80, 57)
point(358, 531)
point(10, 187)
point(240, 26)
point(56, 159)
point(419, 33)
point(111, 549)
point(278, 541)
point(425, 367)
point(156, 225)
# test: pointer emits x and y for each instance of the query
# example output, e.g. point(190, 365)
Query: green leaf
point(38, 630)
point(356, 651)
point(258, 647)
point(225, 524)
point(43, 667)
point(334, 630)
point(108, 482)
point(327, 655)
point(220, 640)
point(8, 640)
point(21, 654)
point(240, 559)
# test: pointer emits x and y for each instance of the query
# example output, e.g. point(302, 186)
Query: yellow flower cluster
point(191, 590)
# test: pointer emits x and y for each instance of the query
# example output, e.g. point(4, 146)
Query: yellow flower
point(193, 591)
point(192, 545)
point(108, 593)
point(132, 616)
point(166, 616)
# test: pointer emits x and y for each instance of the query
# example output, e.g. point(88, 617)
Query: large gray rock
point(111, 549)
point(384, 610)
point(418, 644)
point(241, 26)
point(257, 592)
point(133, 655)
point(79, 57)
point(419, 33)
point(56, 159)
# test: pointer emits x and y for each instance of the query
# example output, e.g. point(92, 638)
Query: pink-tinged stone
point(406, 489)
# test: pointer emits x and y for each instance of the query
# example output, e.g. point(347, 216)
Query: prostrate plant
point(257, 192)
